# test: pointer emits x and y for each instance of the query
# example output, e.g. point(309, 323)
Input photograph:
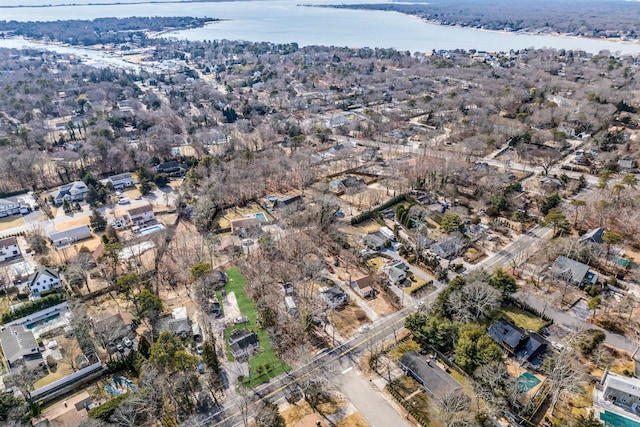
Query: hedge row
point(418, 417)
point(107, 409)
point(419, 288)
point(370, 214)
point(33, 307)
point(13, 193)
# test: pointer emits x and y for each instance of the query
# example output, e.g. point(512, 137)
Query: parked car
point(199, 348)
point(363, 328)
point(120, 348)
point(127, 342)
point(329, 268)
point(201, 367)
point(240, 320)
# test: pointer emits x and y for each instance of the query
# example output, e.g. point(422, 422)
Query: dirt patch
point(381, 305)
point(72, 223)
point(348, 320)
point(230, 307)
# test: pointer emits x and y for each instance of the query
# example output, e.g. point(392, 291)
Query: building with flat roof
point(616, 400)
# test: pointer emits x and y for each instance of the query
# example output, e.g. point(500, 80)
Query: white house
point(8, 207)
point(121, 181)
point(141, 215)
point(62, 239)
point(44, 279)
point(73, 192)
point(9, 249)
point(616, 400)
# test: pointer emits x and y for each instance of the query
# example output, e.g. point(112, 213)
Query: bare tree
point(563, 376)
point(474, 302)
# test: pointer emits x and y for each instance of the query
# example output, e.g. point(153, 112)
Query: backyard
point(264, 357)
point(522, 318)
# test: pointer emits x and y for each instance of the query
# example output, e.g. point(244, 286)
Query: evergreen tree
point(97, 221)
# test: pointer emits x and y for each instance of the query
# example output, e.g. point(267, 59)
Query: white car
point(124, 201)
point(363, 328)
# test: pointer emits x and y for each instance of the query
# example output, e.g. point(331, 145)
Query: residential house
point(141, 215)
point(616, 400)
point(172, 168)
point(179, 323)
point(447, 248)
point(121, 181)
point(394, 274)
point(575, 272)
point(550, 183)
point(9, 207)
point(19, 346)
point(9, 249)
point(365, 286)
point(244, 226)
point(593, 236)
point(387, 233)
point(65, 238)
point(525, 345)
point(44, 279)
point(288, 201)
point(435, 381)
point(374, 241)
point(625, 164)
point(243, 343)
point(333, 297)
point(72, 192)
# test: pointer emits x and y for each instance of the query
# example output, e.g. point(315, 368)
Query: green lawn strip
point(522, 318)
point(236, 284)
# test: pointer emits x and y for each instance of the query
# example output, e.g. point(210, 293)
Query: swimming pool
point(149, 230)
point(526, 382)
point(260, 216)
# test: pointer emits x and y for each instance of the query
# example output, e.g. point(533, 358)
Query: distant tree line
point(99, 30)
point(586, 18)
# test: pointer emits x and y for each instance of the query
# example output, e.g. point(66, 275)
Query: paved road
point(519, 249)
point(369, 401)
point(566, 319)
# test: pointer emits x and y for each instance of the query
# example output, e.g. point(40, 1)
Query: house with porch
point(121, 181)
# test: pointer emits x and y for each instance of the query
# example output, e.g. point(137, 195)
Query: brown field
point(9, 222)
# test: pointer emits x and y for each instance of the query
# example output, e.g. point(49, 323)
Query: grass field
point(521, 318)
point(236, 284)
point(419, 283)
point(9, 222)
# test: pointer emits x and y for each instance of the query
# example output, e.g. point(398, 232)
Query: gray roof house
point(447, 248)
point(436, 382)
point(65, 238)
point(395, 274)
point(593, 236)
point(19, 346)
point(72, 192)
point(243, 342)
point(121, 181)
point(574, 271)
point(529, 346)
point(333, 297)
point(374, 241)
point(8, 207)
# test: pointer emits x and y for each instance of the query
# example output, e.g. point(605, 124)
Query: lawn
point(418, 284)
point(236, 284)
point(521, 318)
point(407, 386)
point(9, 222)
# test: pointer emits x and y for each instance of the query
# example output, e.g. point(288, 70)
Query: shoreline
point(119, 3)
point(528, 33)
